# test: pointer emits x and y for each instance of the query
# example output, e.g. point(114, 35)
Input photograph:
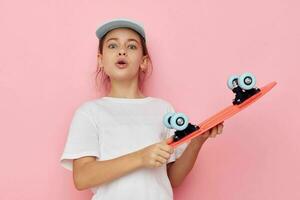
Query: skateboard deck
point(224, 114)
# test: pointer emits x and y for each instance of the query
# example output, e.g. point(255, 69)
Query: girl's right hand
point(156, 154)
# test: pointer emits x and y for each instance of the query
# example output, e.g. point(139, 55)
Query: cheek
point(107, 60)
point(137, 59)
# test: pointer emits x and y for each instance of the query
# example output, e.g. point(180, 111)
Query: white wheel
point(167, 119)
point(230, 81)
point(179, 121)
point(247, 81)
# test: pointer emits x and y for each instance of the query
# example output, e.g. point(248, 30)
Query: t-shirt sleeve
point(178, 151)
point(82, 139)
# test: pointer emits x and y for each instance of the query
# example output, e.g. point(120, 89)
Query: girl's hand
point(213, 132)
point(156, 154)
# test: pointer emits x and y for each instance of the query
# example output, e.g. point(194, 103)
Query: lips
point(121, 63)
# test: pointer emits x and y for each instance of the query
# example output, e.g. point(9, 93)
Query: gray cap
point(120, 23)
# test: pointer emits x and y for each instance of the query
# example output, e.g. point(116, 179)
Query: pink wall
point(48, 56)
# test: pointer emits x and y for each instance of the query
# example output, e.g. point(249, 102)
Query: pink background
point(47, 63)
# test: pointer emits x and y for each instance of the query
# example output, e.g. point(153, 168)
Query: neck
point(125, 89)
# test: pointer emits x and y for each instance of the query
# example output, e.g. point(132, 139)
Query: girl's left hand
point(213, 132)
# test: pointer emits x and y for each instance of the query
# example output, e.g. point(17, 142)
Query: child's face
point(122, 43)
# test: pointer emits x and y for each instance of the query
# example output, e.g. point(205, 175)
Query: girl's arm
point(87, 172)
point(178, 170)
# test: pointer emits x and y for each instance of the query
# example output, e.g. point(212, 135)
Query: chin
point(121, 77)
point(123, 74)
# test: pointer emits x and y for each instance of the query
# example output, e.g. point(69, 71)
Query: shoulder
point(163, 102)
point(88, 107)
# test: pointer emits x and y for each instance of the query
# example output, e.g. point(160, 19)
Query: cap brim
point(120, 23)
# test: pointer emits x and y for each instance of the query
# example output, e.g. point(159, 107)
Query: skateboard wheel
point(179, 121)
point(247, 81)
point(230, 83)
point(167, 119)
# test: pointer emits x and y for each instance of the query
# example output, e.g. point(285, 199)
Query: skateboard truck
point(243, 86)
point(179, 122)
point(180, 134)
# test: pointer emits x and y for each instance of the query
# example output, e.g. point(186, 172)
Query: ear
point(144, 63)
point(99, 60)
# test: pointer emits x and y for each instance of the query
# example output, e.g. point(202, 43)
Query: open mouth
point(121, 64)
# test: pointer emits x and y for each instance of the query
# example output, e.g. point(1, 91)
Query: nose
point(122, 52)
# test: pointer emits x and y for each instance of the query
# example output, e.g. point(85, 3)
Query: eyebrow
point(131, 39)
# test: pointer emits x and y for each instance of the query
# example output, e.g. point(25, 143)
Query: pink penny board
point(223, 115)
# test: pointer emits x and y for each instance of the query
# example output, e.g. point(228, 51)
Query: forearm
point(100, 172)
point(184, 164)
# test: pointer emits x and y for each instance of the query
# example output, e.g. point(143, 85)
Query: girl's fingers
point(213, 132)
point(220, 128)
point(206, 134)
point(160, 160)
point(164, 154)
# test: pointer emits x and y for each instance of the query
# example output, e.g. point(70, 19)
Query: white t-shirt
point(110, 127)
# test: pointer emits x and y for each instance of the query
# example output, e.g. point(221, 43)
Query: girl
point(117, 144)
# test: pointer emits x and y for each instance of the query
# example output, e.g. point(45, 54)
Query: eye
point(111, 45)
point(132, 46)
